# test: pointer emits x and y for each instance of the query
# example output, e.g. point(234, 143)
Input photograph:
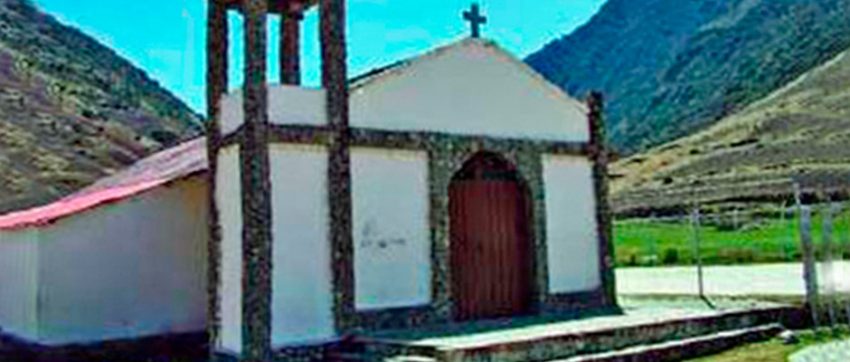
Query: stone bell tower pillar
point(256, 190)
point(245, 332)
point(335, 82)
point(217, 80)
point(241, 245)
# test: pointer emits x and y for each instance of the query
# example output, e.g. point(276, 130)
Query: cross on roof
point(475, 19)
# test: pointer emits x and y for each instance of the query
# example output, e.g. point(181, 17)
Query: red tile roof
point(181, 161)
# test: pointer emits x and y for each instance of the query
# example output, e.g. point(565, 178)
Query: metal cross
point(475, 19)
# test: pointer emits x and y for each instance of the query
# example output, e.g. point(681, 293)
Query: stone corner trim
point(599, 155)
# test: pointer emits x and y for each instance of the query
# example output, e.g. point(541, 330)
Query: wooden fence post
point(828, 276)
point(788, 243)
point(695, 225)
point(845, 249)
point(809, 267)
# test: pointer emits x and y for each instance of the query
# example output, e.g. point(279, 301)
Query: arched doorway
point(491, 249)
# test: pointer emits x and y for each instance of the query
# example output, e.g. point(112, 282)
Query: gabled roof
point(190, 158)
point(399, 67)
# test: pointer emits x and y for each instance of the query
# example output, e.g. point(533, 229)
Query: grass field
point(748, 240)
point(773, 350)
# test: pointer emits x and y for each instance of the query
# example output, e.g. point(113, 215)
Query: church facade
point(472, 196)
point(455, 186)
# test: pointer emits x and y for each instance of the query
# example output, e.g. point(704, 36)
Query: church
point(455, 186)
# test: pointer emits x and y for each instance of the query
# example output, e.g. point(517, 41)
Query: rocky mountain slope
point(671, 67)
point(71, 110)
point(799, 134)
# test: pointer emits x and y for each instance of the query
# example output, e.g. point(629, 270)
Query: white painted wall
point(573, 250)
point(302, 297)
point(288, 105)
point(302, 301)
point(129, 269)
point(19, 283)
point(392, 244)
point(229, 201)
point(469, 88)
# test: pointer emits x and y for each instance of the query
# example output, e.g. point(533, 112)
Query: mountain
point(671, 67)
point(72, 110)
point(798, 134)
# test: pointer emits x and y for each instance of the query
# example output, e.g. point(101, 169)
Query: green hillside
point(800, 133)
point(672, 67)
point(71, 110)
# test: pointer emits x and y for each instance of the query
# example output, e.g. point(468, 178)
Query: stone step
point(411, 359)
point(362, 357)
point(345, 357)
point(722, 329)
point(686, 348)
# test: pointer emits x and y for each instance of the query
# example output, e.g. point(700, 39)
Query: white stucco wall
point(470, 88)
point(287, 105)
point(229, 201)
point(392, 244)
point(573, 250)
point(302, 301)
point(302, 298)
point(130, 269)
point(19, 283)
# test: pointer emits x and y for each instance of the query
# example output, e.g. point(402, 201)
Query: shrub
point(649, 260)
point(671, 256)
point(738, 255)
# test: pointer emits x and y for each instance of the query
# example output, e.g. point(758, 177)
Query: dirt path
point(767, 279)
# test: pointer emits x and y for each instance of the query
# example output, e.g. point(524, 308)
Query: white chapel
point(455, 186)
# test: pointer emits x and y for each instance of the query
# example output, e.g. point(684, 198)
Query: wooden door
point(490, 246)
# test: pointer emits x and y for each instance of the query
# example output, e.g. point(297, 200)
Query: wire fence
point(769, 234)
point(778, 250)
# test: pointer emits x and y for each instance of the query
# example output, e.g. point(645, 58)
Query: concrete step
point(364, 357)
point(686, 348)
point(411, 359)
point(665, 338)
point(388, 359)
point(345, 357)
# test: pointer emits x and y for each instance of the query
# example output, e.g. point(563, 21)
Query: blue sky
point(167, 37)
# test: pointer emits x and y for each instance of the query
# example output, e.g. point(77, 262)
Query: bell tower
point(241, 261)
